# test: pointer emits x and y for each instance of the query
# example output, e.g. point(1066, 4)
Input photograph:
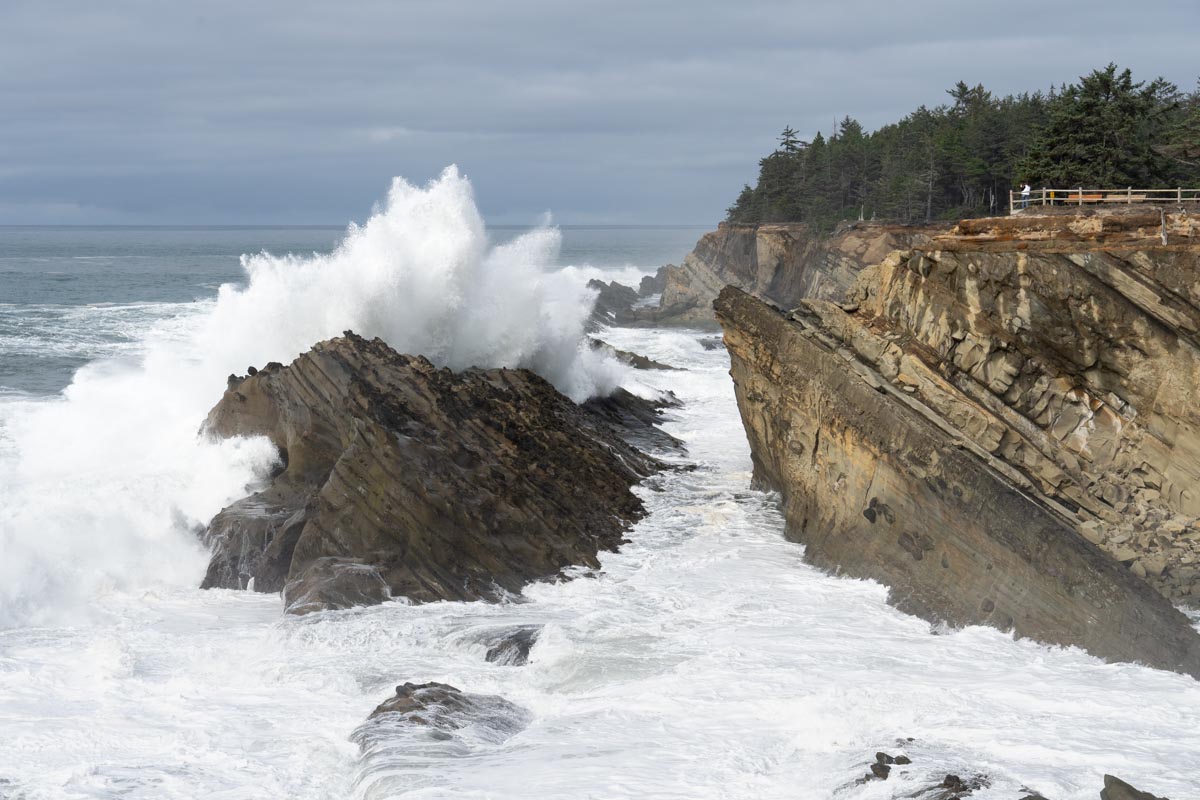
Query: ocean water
point(704, 660)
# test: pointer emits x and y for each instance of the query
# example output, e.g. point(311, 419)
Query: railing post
point(1043, 195)
point(1128, 195)
point(1011, 202)
point(1081, 195)
point(1179, 195)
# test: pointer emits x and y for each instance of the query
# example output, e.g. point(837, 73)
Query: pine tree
point(1101, 133)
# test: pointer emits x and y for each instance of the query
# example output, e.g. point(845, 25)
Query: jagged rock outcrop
point(635, 360)
point(654, 284)
point(781, 262)
point(614, 304)
point(1117, 789)
point(403, 477)
point(891, 465)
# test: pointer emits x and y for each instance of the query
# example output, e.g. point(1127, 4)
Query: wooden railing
point(1080, 196)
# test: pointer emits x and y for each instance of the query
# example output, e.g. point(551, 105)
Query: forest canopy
point(961, 158)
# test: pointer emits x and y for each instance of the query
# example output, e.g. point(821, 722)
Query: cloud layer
point(135, 111)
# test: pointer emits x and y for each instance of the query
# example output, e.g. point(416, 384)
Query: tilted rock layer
point(781, 262)
point(999, 402)
point(443, 485)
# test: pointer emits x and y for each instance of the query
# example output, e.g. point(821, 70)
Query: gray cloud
point(273, 111)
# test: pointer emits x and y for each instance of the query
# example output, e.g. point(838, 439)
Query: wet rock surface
point(947, 787)
point(510, 647)
point(951, 787)
point(447, 486)
point(1117, 789)
point(635, 360)
point(403, 741)
point(440, 706)
point(614, 303)
point(636, 419)
point(331, 583)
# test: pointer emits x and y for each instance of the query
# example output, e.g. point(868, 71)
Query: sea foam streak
point(103, 489)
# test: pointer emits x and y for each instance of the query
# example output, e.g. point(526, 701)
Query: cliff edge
point(1000, 425)
point(782, 262)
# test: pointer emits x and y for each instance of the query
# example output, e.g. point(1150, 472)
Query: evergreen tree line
point(962, 158)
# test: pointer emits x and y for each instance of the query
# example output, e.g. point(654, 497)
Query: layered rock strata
point(891, 466)
point(1068, 351)
point(431, 484)
point(781, 262)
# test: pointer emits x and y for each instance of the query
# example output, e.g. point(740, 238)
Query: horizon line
point(329, 226)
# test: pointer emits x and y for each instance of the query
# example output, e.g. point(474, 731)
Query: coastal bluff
point(398, 478)
point(999, 423)
point(780, 262)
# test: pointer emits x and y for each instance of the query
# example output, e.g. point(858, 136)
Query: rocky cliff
point(999, 424)
point(402, 478)
point(780, 262)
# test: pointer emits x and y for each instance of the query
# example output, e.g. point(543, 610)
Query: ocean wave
point(106, 485)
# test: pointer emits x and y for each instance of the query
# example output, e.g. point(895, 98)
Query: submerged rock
point(635, 360)
point(408, 735)
point(447, 486)
point(443, 707)
point(951, 787)
point(510, 646)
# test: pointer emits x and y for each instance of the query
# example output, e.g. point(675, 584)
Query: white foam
point(103, 489)
point(705, 660)
point(420, 274)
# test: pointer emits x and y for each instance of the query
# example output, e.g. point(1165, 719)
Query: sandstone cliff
point(400, 477)
point(1000, 425)
point(780, 262)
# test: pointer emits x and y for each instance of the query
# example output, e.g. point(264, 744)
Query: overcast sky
point(290, 111)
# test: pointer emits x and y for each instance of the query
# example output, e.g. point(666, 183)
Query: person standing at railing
point(1025, 190)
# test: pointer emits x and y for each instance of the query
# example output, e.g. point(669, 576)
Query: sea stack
point(434, 484)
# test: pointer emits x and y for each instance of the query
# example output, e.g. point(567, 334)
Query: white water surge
point(102, 490)
point(705, 660)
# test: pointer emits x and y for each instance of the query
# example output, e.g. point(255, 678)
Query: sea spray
point(104, 488)
point(420, 275)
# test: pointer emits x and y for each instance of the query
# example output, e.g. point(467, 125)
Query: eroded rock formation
point(780, 262)
point(402, 477)
point(1001, 426)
